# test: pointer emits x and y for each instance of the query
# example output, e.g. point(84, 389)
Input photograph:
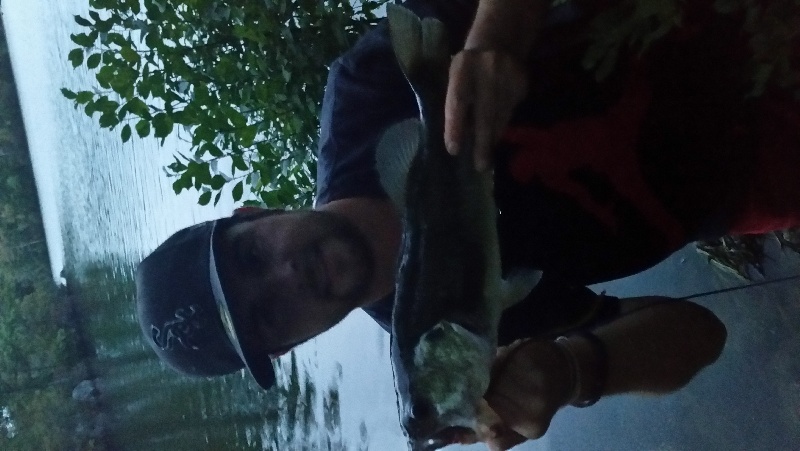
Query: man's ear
point(244, 212)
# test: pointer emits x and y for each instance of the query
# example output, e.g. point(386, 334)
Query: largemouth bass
point(449, 291)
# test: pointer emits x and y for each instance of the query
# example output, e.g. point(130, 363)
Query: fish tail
point(416, 42)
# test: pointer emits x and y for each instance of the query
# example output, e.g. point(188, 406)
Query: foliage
point(633, 23)
point(243, 78)
point(772, 28)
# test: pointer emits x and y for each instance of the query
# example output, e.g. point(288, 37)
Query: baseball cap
point(184, 314)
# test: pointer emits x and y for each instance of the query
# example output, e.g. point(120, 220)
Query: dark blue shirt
point(541, 224)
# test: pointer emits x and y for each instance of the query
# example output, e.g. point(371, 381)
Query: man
point(594, 181)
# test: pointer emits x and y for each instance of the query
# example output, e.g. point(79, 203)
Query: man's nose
point(285, 270)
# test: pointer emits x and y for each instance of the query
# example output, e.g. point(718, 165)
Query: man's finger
point(457, 103)
point(485, 118)
point(505, 439)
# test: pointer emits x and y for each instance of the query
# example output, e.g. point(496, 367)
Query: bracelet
point(572, 362)
point(601, 370)
point(585, 395)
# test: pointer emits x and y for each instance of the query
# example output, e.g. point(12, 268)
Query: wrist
point(589, 367)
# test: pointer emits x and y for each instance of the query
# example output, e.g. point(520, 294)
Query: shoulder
point(366, 93)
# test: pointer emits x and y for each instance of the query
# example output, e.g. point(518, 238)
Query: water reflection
point(152, 407)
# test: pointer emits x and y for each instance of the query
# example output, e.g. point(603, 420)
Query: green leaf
point(75, 57)
point(239, 163)
point(153, 40)
point(90, 108)
point(123, 112)
point(108, 120)
point(84, 97)
point(177, 186)
point(130, 55)
point(205, 198)
point(126, 133)
point(143, 128)
point(270, 199)
point(204, 133)
point(217, 182)
point(82, 22)
point(105, 76)
point(163, 125)
point(104, 26)
point(93, 61)
point(248, 135)
point(237, 192)
point(212, 149)
point(116, 38)
point(68, 94)
point(177, 166)
point(138, 107)
point(83, 39)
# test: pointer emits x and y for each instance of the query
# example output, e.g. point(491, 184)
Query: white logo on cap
point(179, 330)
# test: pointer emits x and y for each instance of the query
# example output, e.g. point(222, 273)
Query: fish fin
point(416, 40)
point(518, 284)
point(434, 41)
point(405, 29)
point(393, 156)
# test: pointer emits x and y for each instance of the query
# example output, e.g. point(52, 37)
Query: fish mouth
point(449, 435)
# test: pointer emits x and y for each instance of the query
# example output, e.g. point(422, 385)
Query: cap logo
point(180, 330)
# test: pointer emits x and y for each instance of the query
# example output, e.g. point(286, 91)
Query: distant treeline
point(37, 342)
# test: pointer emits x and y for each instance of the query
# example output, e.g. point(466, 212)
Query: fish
point(449, 291)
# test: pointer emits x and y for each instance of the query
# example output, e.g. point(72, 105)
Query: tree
point(771, 28)
point(242, 78)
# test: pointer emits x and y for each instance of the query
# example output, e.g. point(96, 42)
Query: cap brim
point(255, 358)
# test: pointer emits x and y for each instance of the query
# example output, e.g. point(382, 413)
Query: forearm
point(657, 349)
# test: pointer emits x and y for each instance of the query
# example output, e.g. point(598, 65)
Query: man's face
point(293, 275)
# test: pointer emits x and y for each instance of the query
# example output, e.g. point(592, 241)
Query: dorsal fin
point(395, 152)
point(416, 41)
point(405, 28)
point(434, 41)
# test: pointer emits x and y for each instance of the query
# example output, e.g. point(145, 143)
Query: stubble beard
point(341, 230)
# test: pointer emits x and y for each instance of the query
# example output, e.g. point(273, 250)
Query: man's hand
point(485, 86)
point(488, 78)
point(531, 380)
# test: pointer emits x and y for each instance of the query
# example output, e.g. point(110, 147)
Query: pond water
point(106, 204)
